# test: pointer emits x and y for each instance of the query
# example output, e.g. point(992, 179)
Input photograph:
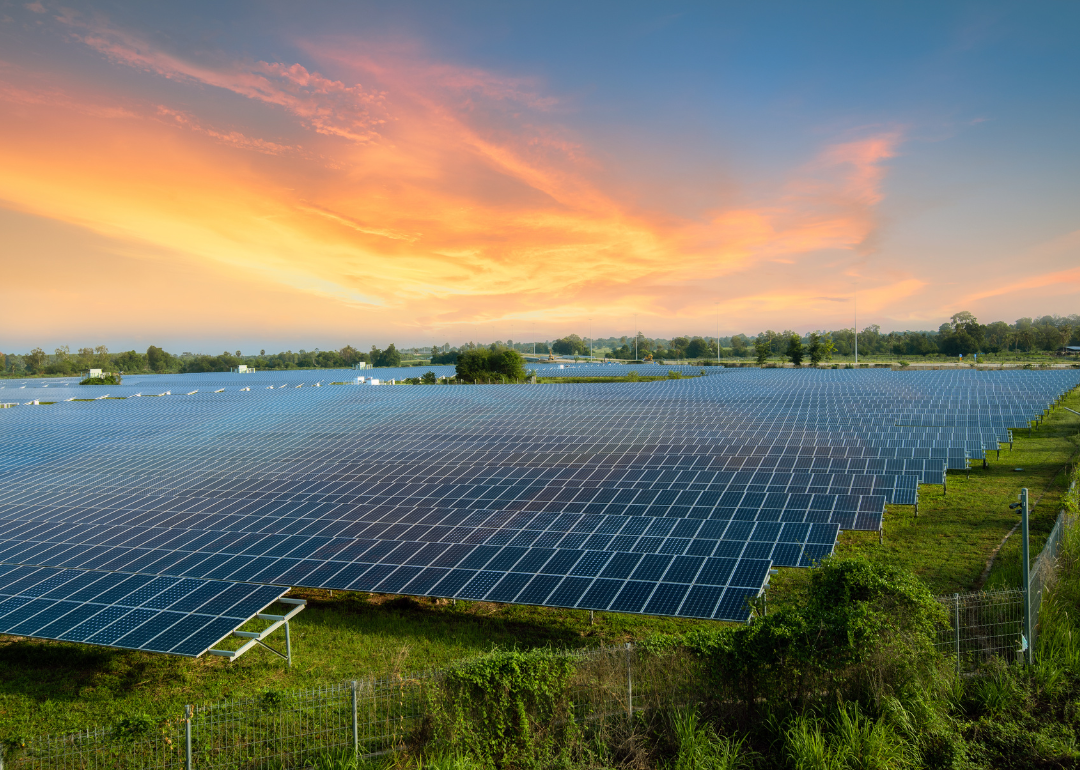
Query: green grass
point(950, 541)
point(54, 687)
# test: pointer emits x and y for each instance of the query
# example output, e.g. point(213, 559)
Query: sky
point(206, 176)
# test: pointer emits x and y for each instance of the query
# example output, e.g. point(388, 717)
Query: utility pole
point(635, 337)
point(856, 323)
point(718, 333)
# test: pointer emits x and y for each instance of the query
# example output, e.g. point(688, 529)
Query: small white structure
point(373, 381)
point(94, 374)
point(361, 365)
point(243, 369)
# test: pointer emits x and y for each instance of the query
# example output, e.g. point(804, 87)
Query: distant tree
point(820, 349)
point(570, 345)
point(698, 348)
point(762, 349)
point(428, 378)
point(35, 360)
point(483, 364)
point(350, 355)
point(388, 357)
point(130, 362)
point(795, 349)
point(157, 360)
point(449, 357)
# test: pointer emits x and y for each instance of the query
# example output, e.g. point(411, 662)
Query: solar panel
point(140, 612)
point(671, 497)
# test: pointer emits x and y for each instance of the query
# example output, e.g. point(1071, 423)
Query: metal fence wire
point(982, 625)
point(364, 718)
point(990, 624)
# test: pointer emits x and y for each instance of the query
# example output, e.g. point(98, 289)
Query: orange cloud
point(432, 195)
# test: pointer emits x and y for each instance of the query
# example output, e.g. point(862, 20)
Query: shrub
point(862, 632)
point(508, 708)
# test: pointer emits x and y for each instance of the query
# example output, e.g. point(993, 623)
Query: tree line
point(962, 334)
point(158, 361)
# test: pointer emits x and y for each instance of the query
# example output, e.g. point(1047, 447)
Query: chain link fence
point(371, 717)
point(366, 718)
point(990, 624)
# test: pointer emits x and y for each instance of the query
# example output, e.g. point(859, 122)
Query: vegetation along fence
point(372, 717)
point(990, 624)
point(308, 727)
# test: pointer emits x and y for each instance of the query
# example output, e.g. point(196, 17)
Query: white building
point(361, 365)
point(243, 369)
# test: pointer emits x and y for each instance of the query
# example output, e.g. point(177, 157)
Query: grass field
point(52, 687)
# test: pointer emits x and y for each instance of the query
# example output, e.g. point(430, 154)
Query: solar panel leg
point(881, 534)
point(288, 645)
point(629, 687)
point(592, 619)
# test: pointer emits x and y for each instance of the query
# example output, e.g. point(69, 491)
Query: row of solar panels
point(180, 616)
point(145, 452)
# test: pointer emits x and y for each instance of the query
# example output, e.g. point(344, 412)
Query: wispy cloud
point(446, 194)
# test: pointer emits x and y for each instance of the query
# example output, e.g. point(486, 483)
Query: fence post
point(355, 724)
point(1027, 575)
point(956, 624)
point(629, 686)
point(188, 764)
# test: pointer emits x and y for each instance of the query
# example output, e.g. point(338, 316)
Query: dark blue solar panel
point(762, 466)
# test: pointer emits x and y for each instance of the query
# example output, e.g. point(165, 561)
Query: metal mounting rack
point(256, 637)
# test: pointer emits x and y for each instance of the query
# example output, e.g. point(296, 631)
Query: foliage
point(761, 350)
point(428, 378)
point(570, 345)
point(795, 349)
point(860, 630)
point(507, 708)
point(106, 379)
point(486, 365)
point(700, 748)
point(385, 358)
point(449, 357)
point(821, 348)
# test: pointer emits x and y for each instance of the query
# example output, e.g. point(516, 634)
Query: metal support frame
point(256, 637)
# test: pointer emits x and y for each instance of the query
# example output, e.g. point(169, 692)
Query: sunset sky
point(281, 175)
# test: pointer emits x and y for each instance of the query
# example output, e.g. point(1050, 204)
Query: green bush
point(507, 709)
point(861, 632)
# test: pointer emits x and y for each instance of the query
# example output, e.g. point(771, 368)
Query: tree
point(486, 364)
point(795, 349)
point(35, 360)
point(821, 348)
point(761, 349)
point(388, 357)
point(698, 348)
point(130, 362)
point(157, 359)
point(350, 355)
point(428, 378)
point(570, 345)
point(449, 357)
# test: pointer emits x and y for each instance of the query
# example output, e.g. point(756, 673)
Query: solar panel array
point(141, 612)
point(670, 498)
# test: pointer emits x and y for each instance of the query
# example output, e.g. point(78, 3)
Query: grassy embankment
point(51, 687)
